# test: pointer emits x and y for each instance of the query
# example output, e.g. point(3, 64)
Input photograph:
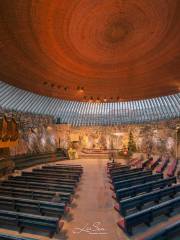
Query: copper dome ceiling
point(99, 50)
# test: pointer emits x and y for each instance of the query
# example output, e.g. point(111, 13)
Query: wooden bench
point(147, 162)
point(13, 237)
point(34, 194)
point(155, 162)
point(37, 185)
point(125, 168)
point(69, 165)
point(136, 181)
point(57, 174)
point(112, 173)
point(169, 232)
point(146, 216)
point(48, 175)
point(131, 175)
point(117, 166)
point(172, 168)
point(63, 170)
point(139, 201)
point(144, 188)
point(163, 165)
point(39, 207)
point(24, 220)
point(42, 179)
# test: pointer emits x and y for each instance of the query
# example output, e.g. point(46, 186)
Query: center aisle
point(93, 216)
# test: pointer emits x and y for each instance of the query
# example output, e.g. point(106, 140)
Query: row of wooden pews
point(170, 232)
point(155, 162)
point(135, 189)
point(39, 199)
point(13, 237)
point(163, 164)
point(172, 168)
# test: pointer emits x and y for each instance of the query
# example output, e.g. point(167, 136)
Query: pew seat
point(13, 237)
point(172, 168)
point(41, 179)
point(38, 185)
point(139, 201)
point(155, 162)
point(58, 174)
point(128, 171)
point(167, 233)
point(131, 175)
point(39, 207)
point(163, 165)
point(137, 180)
point(63, 170)
point(69, 165)
point(48, 176)
point(24, 220)
point(34, 194)
point(144, 188)
point(146, 162)
point(146, 216)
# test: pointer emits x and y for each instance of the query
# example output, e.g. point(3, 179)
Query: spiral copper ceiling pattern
point(99, 49)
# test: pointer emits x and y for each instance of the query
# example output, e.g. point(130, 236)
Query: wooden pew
point(136, 181)
point(69, 165)
point(170, 232)
point(38, 185)
point(163, 165)
point(155, 162)
point(144, 188)
point(131, 175)
point(57, 174)
point(147, 162)
point(146, 216)
point(139, 201)
point(42, 179)
point(125, 168)
point(63, 169)
point(39, 207)
point(172, 168)
point(49, 176)
point(117, 166)
point(59, 170)
point(4, 236)
point(34, 194)
point(21, 221)
point(128, 171)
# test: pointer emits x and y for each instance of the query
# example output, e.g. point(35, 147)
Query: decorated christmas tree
point(131, 143)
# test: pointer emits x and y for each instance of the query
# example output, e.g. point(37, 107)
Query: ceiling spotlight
point(105, 99)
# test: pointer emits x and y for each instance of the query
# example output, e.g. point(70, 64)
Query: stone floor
point(92, 216)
